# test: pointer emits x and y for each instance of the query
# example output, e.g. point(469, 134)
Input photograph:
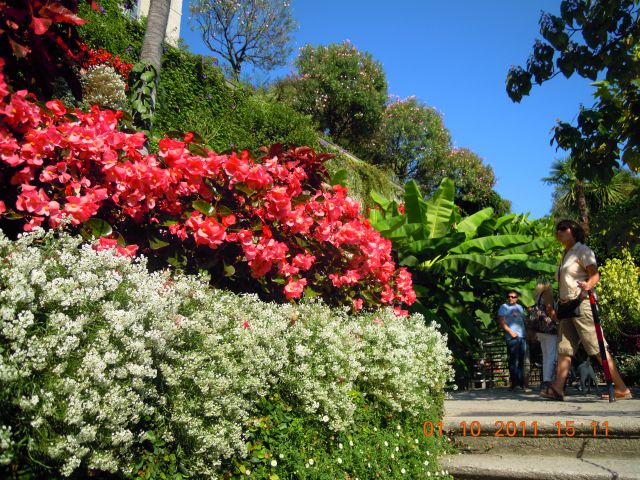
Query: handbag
point(569, 308)
point(539, 321)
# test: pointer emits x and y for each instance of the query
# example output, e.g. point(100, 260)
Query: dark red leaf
point(40, 25)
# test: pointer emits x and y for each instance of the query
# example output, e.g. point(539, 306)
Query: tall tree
point(411, 138)
point(609, 132)
point(586, 197)
point(342, 88)
point(253, 31)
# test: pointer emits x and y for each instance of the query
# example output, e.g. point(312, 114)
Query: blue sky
point(454, 55)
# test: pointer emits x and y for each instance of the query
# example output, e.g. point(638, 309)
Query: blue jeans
point(516, 348)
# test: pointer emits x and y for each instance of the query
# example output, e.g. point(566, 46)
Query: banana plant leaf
point(469, 225)
point(440, 210)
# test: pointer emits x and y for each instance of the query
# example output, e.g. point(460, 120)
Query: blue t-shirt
point(514, 318)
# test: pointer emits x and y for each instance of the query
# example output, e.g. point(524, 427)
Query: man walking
point(511, 320)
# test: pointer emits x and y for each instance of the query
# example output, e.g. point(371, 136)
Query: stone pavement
point(503, 434)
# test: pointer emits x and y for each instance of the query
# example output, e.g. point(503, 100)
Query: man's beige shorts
point(578, 329)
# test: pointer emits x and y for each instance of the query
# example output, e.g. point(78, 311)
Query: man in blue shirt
point(511, 320)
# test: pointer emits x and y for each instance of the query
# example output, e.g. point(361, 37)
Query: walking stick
point(603, 350)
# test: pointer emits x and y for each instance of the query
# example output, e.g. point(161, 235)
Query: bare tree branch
point(245, 31)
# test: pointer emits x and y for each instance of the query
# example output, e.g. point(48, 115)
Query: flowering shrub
point(101, 85)
point(101, 358)
point(100, 56)
point(272, 225)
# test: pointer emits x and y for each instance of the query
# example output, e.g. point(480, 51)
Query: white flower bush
point(97, 355)
point(102, 85)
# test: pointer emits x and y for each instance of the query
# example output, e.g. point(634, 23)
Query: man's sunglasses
point(512, 296)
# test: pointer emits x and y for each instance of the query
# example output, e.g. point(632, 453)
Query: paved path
point(503, 434)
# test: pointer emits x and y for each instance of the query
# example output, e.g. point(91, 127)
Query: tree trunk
point(582, 206)
point(155, 32)
point(153, 42)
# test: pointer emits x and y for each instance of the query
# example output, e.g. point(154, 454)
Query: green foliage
point(616, 227)
point(284, 442)
point(142, 84)
point(112, 30)
point(609, 132)
point(362, 178)
point(458, 262)
point(619, 294)
point(619, 300)
point(194, 96)
point(474, 181)
point(411, 141)
point(344, 90)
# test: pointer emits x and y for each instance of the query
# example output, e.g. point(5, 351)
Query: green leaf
point(229, 270)
point(494, 242)
point(155, 243)
point(310, 293)
point(470, 224)
point(148, 76)
point(203, 207)
point(97, 227)
point(379, 199)
point(440, 210)
point(340, 178)
point(414, 206)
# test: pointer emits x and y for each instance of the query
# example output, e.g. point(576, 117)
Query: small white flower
point(340, 446)
point(350, 443)
point(325, 419)
point(416, 440)
point(311, 461)
point(426, 463)
point(398, 427)
point(403, 471)
point(281, 456)
point(386, 444)
point(393, 457)
point(339, 460)
point(247, 472)
point(397, 449)
point(274, 463)
point(397, 435)
point(375, 429)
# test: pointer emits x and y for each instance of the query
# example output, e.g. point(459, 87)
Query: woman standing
point(578, 273)
point(547, 334)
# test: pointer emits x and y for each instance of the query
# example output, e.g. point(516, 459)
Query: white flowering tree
point(253, 31)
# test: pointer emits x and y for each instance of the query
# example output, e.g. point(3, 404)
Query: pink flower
point(294, 288)
point(357, 304)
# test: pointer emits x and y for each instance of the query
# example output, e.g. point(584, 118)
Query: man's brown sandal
point(551, 393)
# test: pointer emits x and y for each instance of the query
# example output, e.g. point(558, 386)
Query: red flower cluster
point(277, 214)
point(103, 57)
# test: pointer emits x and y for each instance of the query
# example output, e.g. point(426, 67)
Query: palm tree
point(155, 32)
point(574, 194)
point(153, 41)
